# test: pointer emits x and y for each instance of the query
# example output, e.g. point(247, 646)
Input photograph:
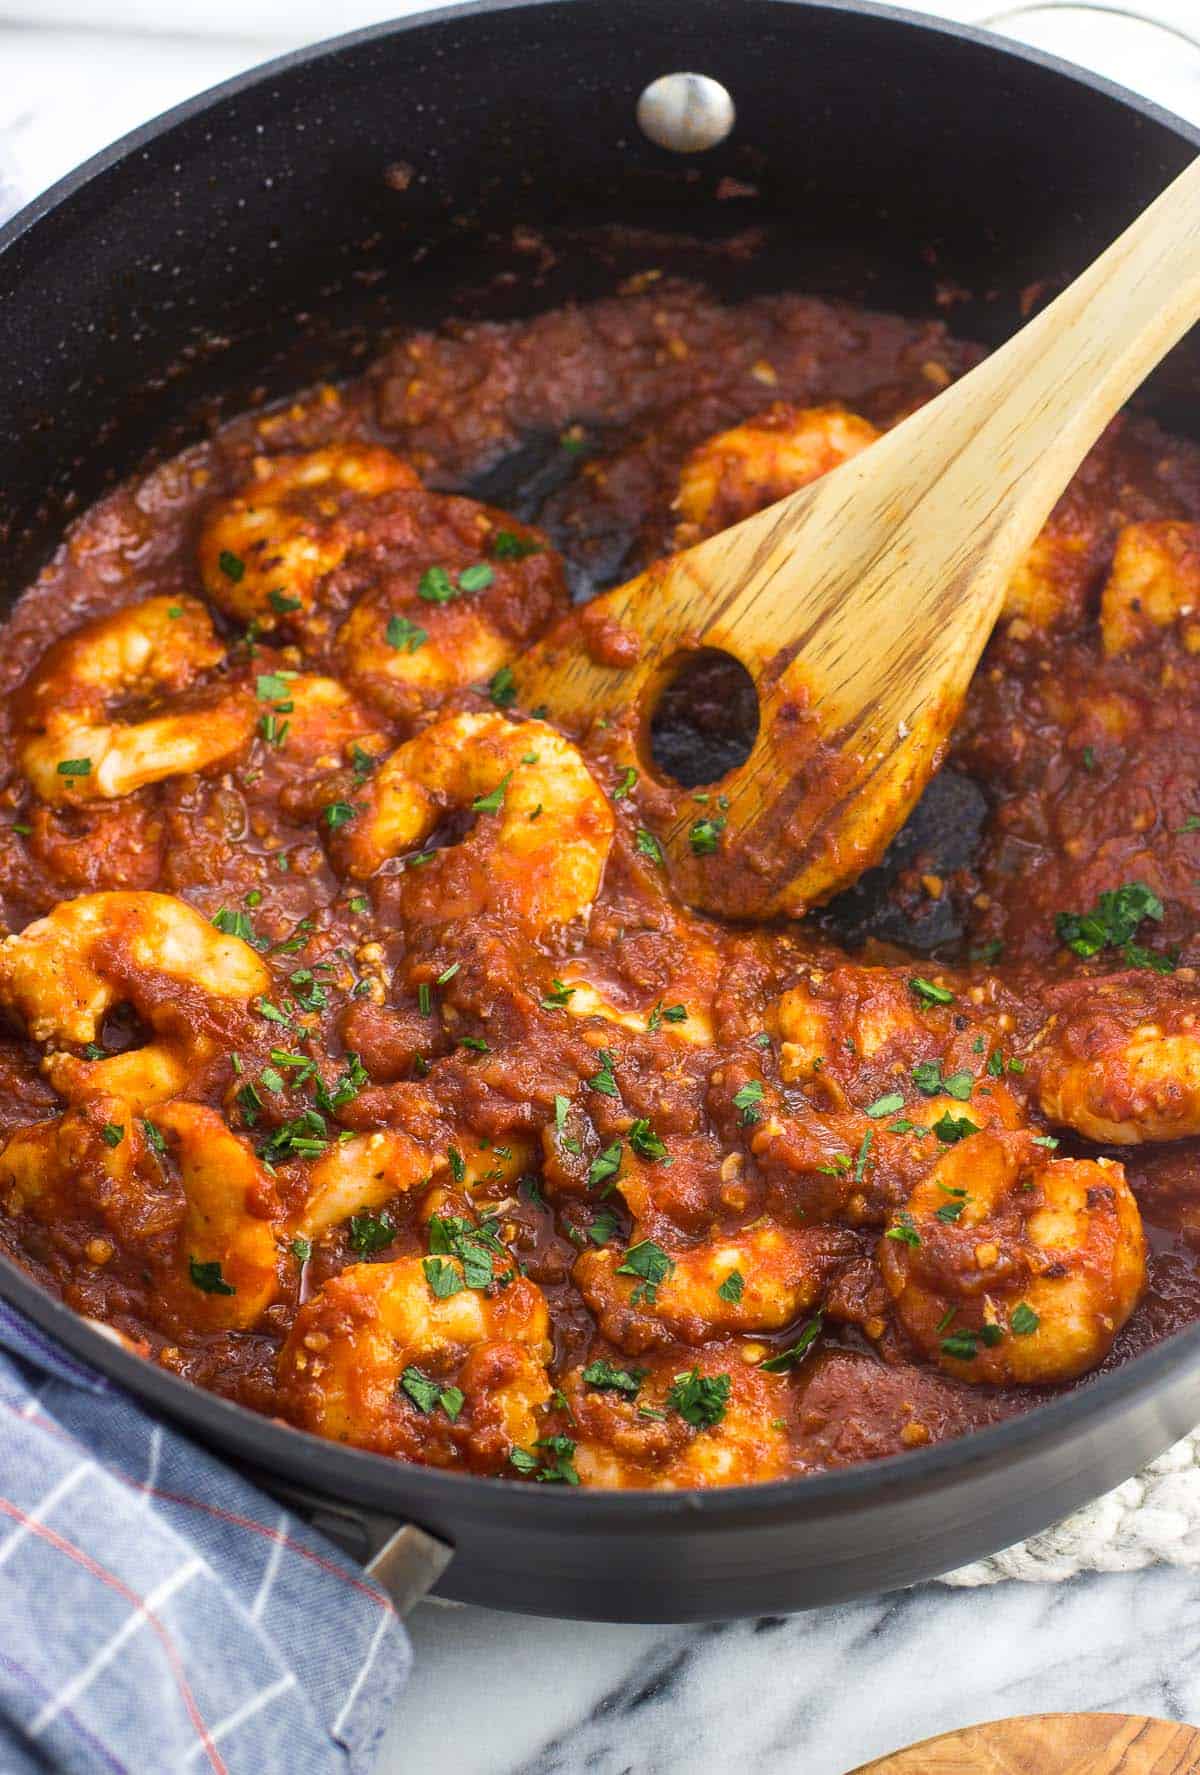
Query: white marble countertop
point(814, 1694)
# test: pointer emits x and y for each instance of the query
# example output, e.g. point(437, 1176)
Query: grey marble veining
point(812, 1694)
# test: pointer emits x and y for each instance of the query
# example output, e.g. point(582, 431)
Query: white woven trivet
point(1154, 1518)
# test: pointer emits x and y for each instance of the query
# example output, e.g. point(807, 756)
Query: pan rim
point(346, 1474)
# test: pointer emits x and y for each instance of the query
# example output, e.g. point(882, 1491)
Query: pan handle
point(997, 17)
point(404, 1560)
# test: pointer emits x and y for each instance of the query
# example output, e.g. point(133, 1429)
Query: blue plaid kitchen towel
point(157, 1613)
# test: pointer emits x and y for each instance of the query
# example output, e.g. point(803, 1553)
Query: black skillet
point(252, 240)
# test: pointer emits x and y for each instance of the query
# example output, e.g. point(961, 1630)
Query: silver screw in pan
point(685, 112)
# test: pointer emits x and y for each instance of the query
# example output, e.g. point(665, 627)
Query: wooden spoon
point(861, 604)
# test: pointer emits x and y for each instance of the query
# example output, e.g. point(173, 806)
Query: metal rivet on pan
point(685, 112)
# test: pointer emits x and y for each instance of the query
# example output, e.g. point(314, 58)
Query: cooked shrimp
point(1012, 1267)
point(362, 1173)
point(1052, 584)
point(542, 834)
point(344, 1366)
point(73, 749)
point(263, 551)
point(1154, 582)
point(310, 720)
point(1118, 1066)
point(99, 1165)
point(618, 1445)
point(740, 471)
point(231, 1203)
point(833, 1021)
point(63, 973)
point(452, 591)
point(779, 1272)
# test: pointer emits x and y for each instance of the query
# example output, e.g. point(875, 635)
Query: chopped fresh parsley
point(647, 845)
point(602, 1374)
point(426, 1393)
point(207, 1277)
point(951, 1211)
point(747, 1100)
point(558, 997)
point(904, 1232)
point(1023, 1321)
point(477, 578)
point(301, 1250)
point(491, 804)
point(371, 1232)
point(963, 1346)
point(607, 1164)
point(604, 1081)
point(442, 1277)
point(626, 782)
point(74, 767)
point(558, 1465)
point(231, 565)
point(475, 1246)
point(281, 603)
point(502, 688)
point(404, 635)
point(885, 1106)
point(862, 1155)
point(645, 1142)
point(929, 993)
point(705, 837)
point(233, 922)
point(603, 1227)
point(155, 1137)
point(700, 1399)
point(1111, 924)
point(661, 1013)
point(339, 813)
point(733, 1287)
point(950, 1129)
point(795, 1353)
point(508, 546)
point(650, 1263)
point(112, 1134)
point(436, 586)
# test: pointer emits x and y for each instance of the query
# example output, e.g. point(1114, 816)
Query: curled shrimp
point(452, 591)
point(542, 832)
point(377, 1359)
point(1009, 1266)
point(362, 1173)
point(1120, 1062)
point(1154, 583)
point(61, 975)
point(779, 1273)
point(182, 1190)
point(738, 472)
point(70, 745)
point(635, 1434)
point(264, 550)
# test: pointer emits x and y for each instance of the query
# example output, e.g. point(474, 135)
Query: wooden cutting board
point(1052, 1744)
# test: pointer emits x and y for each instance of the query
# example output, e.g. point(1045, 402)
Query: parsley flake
point(207, 1277)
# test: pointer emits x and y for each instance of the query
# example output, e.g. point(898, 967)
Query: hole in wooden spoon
point(706, 719)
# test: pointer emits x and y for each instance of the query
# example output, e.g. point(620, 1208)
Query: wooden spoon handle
point(1021, 423)
point(860, 604)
